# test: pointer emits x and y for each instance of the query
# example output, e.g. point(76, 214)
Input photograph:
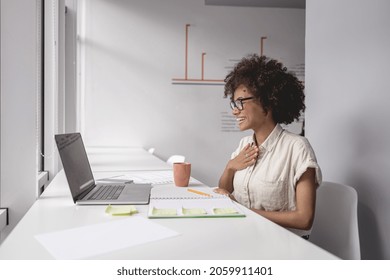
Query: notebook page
point(172, 192)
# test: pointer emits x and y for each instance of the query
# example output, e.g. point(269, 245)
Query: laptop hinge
point(86, 192)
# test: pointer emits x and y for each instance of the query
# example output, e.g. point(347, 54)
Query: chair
point(175, 158)
point(335, 226)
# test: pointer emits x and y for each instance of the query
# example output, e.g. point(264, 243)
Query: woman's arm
point(226, 181)
point(245, 158)
point(302, 217)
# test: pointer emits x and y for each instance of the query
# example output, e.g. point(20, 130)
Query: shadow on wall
point(370, 244)
point(365, 168)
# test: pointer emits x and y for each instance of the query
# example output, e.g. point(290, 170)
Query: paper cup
point(181, 173)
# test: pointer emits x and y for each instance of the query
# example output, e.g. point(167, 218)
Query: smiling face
point(252, 116)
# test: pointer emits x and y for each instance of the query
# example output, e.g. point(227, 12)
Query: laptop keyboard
point(108, 192)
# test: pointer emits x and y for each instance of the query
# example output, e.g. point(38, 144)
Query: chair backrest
point(175, 158)
point(335, 226)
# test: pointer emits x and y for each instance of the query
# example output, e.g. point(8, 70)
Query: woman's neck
point(263, 132)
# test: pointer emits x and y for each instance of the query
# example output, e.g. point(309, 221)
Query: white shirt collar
point(271, 140)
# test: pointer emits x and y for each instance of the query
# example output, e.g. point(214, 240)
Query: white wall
point(131, 50)
point(18, 107)
point(348, 98)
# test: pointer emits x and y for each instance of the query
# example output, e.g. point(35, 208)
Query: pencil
point(199, 192)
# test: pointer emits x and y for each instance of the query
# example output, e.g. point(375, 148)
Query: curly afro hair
point(271, 84)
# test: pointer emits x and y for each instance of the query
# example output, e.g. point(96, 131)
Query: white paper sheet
point(151, 177)
point(91, 240)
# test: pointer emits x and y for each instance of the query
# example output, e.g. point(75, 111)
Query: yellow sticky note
point(224, 211)
point(164, 212)
point(193, 211)
point(121, 210)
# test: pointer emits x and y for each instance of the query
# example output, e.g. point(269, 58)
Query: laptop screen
point(75, 162)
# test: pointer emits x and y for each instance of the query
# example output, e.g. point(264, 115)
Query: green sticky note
point(164, 212)
point(121, 210)
point(224, 211)
point(193, 211)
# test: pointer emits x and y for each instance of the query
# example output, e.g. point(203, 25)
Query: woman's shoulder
point(295, 139)
point(245, 140)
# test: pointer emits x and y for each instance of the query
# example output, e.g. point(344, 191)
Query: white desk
point(123, 159)
point(252, 237)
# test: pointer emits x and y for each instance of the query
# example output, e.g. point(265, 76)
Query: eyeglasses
point(238, 104)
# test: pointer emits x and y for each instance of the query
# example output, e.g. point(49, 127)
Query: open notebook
point(190, 202)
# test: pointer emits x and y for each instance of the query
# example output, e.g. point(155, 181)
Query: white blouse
point(270, 184)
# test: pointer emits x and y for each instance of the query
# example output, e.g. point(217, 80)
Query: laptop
point(83, 187)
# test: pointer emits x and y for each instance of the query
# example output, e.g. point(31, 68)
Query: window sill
point(3, 218)
point(43, 180)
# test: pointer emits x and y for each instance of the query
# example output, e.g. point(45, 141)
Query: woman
point(273, 172)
